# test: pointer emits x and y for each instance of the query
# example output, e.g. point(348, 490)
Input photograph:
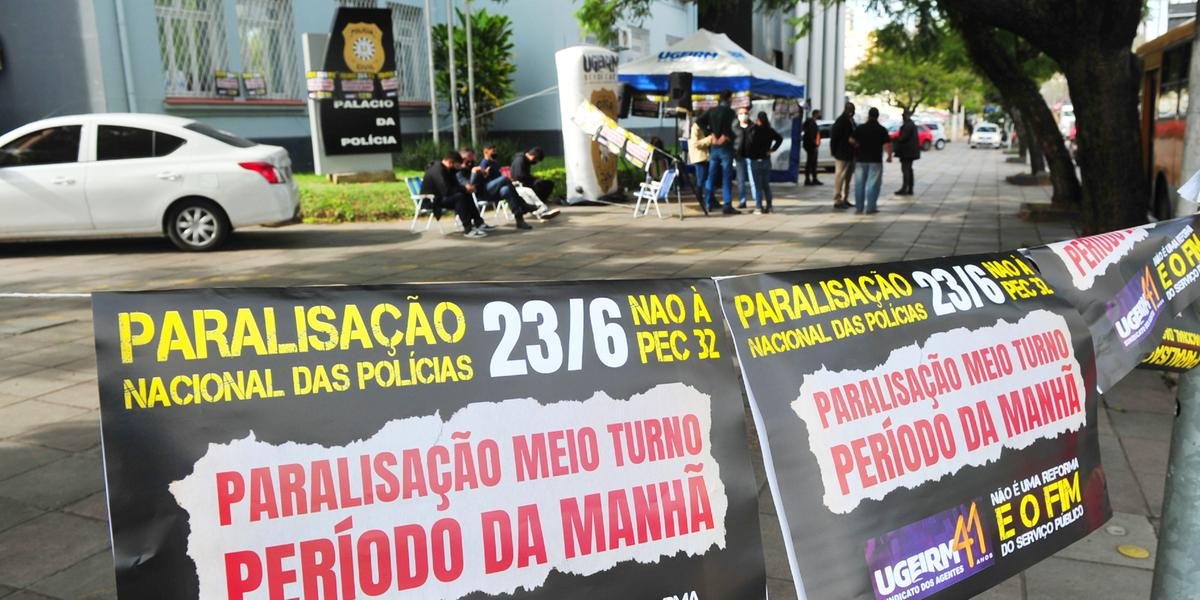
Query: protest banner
point(1178, 347)
point(929, 427)
point(1122, 282)
point(578, 440)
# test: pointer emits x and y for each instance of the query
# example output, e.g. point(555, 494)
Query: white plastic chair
point(651, 192)
point(414, 191)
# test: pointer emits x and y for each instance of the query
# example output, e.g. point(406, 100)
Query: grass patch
point(321, 201)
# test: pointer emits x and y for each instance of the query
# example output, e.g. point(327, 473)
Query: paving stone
point(81, 395)
point(46, 545)
point(1142, 424)
point(26, 595)
point(1059, 579)
point(21, 417)
point(1012, 588)
point(18, 457)
point(1147, 454)
point(91, 579)
point(93, 507)
point(40, 382)
point(73, 435)
point(57, 484)
point(14, 513)
point(1100, 546)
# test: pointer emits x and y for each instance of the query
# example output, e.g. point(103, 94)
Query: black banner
point(362, 117)
point(929, 427)
point(577, 440)
point(1126, 284)
point(1178, 347)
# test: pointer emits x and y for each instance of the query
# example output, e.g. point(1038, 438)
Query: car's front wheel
point(925, 146)
point(940, 145)
point(196, 225)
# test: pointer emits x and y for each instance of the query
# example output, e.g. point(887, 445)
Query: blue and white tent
point(716, 63)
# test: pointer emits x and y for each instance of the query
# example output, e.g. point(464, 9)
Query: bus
point(1164, 103)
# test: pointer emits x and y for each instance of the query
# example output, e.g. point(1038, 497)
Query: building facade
point(160, 56)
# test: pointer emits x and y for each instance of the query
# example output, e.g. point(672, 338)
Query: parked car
point(986, 134)
point(939, 134)
point(779, 159)
point(924, 135)
point(129, 174)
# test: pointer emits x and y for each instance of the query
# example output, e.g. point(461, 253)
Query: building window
point(412, 59)
point(269, 45)
point(634, 43)
point(191, 37)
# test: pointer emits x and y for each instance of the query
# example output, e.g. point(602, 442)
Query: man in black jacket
point(908, 149)
point(811, 140)
point(441, 181)
point(522, 172)
point(718, 121)
point(843, 157)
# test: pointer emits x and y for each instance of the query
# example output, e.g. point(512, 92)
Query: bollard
point(1177, 566)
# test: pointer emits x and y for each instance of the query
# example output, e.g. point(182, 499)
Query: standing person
point(741, 153)
point(908, 149)
point(870, 140)
point(718, 122)
point(763, 141)
point(811, 138)
point(441, 181)
point(843, 156)
point(698, 143)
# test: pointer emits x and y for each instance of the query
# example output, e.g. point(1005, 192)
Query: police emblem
point(363, 49)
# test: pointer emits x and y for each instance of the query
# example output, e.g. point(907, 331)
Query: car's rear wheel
point(196, 224)
point(940, 144)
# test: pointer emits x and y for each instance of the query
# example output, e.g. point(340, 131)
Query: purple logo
point(929, 555)
point(1135, 309)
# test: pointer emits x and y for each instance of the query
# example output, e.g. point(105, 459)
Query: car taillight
point(267, 170)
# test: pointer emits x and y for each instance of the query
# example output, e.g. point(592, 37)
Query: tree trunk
point(1037, 159)
point(1020, 92)
point(1104, 90)
point(1022, 134)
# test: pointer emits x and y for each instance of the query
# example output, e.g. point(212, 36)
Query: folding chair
point(414, 191)
point(651, 192)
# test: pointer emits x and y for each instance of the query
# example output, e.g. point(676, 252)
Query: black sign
point(929, 427)
point(361, 118)
point(509, 440)
point(1126, 284)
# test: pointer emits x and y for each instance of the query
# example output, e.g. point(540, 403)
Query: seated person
point(522, 172)
point(441, 181)
point(475, 179)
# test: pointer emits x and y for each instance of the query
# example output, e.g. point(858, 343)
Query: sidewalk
point(53, 530)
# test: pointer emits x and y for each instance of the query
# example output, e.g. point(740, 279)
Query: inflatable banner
point(436, 441)
point(929, 427)
point(1126, 284)
point(587, 73)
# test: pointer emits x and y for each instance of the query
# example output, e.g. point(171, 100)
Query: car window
point(43, 147)
point(220, 136)
point(115, 143)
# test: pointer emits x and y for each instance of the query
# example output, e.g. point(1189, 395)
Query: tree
point(1015, 70)
point(1090, 41)
point(911, 75)
point(494, 68)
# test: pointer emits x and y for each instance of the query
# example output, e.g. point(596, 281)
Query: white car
point(128, 174)
point(986, 134)
point(939, 134)
point(825, 162)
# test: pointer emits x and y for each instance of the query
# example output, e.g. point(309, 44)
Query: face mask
point(743, 118)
